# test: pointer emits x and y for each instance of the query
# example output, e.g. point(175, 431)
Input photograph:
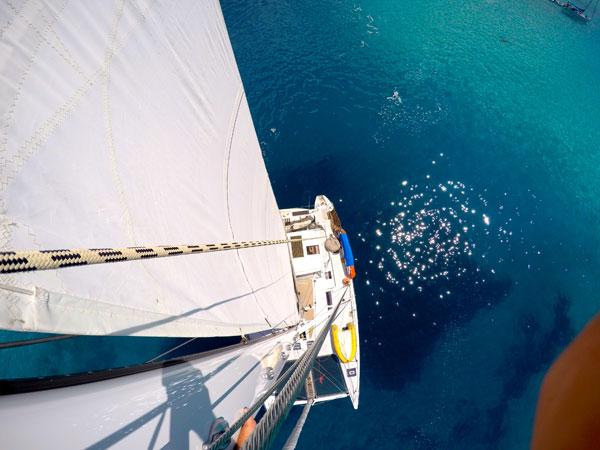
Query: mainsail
point(125, 123)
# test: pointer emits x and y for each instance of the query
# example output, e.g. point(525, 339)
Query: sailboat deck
point(305, 298)
point(320, 274)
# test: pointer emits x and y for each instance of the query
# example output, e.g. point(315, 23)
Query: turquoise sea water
point(459, 142)
point(388, 108)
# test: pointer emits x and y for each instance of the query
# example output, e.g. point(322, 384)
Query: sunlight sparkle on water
point(430, 233)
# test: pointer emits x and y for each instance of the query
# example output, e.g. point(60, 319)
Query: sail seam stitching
point(108, 54)
point(239, 98)
point(9, 115)
point(43, 133)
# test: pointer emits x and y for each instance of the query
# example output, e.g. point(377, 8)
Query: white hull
point(173, 406)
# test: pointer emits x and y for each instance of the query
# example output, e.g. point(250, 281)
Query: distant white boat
point(577, 11)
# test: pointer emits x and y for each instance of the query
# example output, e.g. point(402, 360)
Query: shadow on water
point(533, 352)
point(401, 335)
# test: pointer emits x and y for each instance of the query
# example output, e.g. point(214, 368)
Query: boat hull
point(169, 407)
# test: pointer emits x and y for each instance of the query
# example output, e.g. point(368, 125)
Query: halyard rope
point(11, 262)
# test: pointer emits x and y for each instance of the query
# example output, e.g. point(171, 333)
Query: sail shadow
point(189, 402)
point(188, 405)
point(138, 328)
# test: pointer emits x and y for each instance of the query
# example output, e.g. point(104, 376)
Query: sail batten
point(135, 131)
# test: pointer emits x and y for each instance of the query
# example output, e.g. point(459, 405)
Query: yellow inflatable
point(336, 342)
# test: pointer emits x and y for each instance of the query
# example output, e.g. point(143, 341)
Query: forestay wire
point(265, 432)
point(275, 416)
point(292, 441)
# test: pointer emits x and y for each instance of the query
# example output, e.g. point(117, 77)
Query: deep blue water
point(459, 141)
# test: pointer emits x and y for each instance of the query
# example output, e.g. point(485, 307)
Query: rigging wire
point(36, 341)
point(169, 351)
point(292, 440)
point(263, 435)
point(329, 376)
point(291, 380)
point(252, 409)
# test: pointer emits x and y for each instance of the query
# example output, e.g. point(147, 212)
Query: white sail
point(125, 123)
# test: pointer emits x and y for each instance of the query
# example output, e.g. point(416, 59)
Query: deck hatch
point(297, 249)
